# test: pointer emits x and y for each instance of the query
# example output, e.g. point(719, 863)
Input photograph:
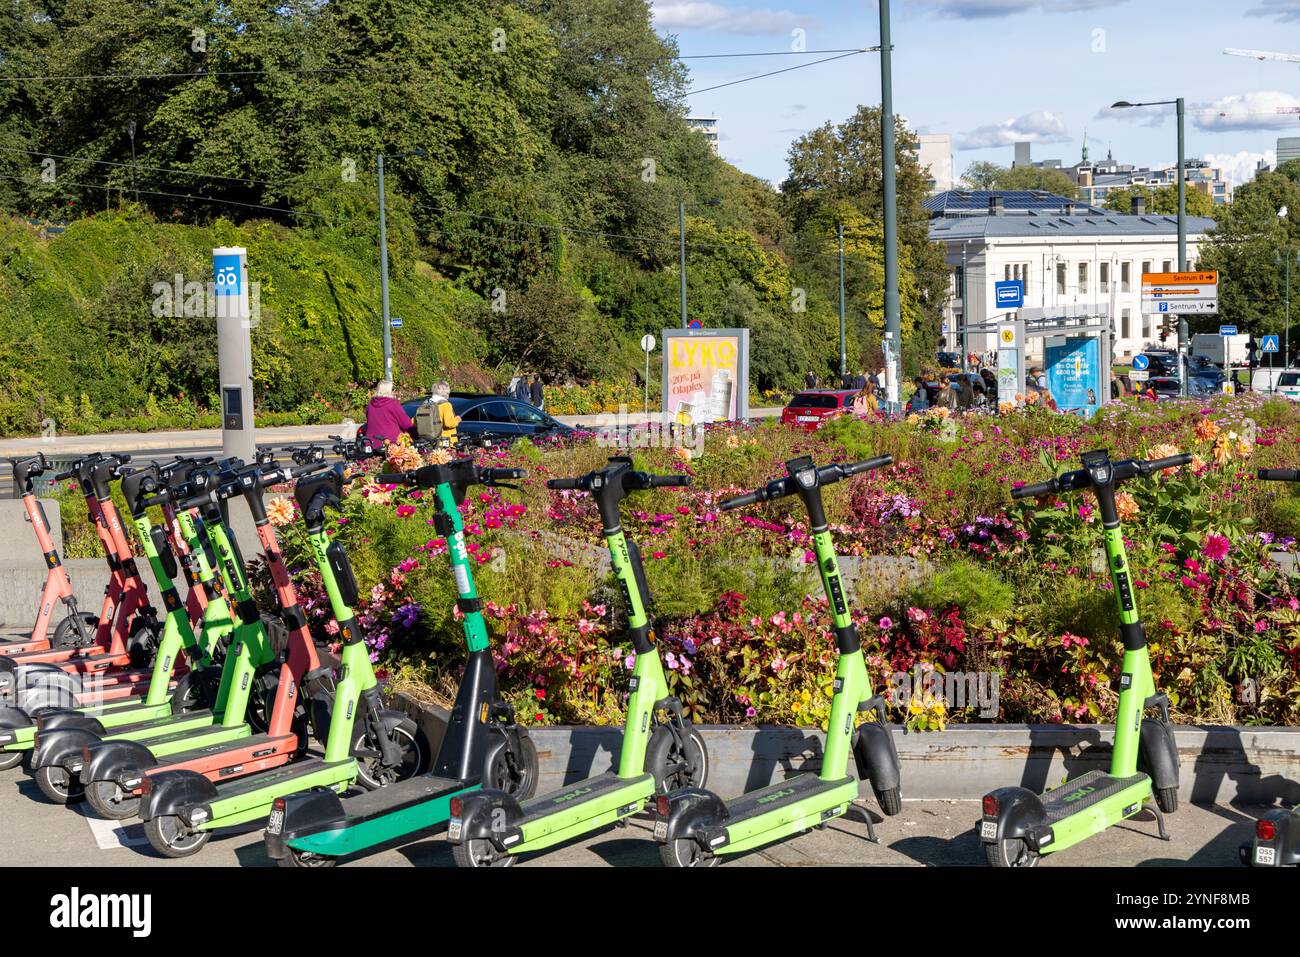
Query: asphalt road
point(925, 834)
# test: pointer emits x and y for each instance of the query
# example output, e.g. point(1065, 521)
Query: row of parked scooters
point(199, 716)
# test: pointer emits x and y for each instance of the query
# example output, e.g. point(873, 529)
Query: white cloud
point(688, 15)
point(1240, 167)
point(1248, 111)
point(1040, 126)
point(1152, 116)
point(1285, 11)
point(990, 9)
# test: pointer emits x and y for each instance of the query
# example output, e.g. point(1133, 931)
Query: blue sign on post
point(225, 271)
point(1164, 306)
point(395, 323)
point(1141, 362)
point(1009, 294)
point(1227, 330)
point(1270, 344)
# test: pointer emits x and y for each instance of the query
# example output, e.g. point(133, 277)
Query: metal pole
point(1286, 348)
point(681, 246)
point(383, 276)
point(893, 312)
point(965, 343)
point(646, 410)
point(1182, 247)
point(843, 348)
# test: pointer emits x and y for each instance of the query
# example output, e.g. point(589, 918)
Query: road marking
point(110, 835)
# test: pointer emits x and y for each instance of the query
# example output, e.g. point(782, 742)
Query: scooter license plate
point(989, 830)
point(661, 830)
point(275, 823)
point(1265, 855)
point(453, 829)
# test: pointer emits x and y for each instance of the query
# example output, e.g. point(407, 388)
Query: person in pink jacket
point(385, 417)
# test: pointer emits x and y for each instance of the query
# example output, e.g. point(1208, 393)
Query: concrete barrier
point(1225, 765)
point(16, 538)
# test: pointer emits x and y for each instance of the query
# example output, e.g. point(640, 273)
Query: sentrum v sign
point(1180, 293)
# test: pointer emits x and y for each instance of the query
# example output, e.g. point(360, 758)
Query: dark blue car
point(498, 418)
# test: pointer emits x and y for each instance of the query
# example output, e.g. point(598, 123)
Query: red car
point(810, 410)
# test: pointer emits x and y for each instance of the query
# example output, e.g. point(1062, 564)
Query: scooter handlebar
point(667, 481)
point(492, 476)
point(749, 498)
point(855, 468)
point(1049, 487)
point(1169, 462)
point(1279, 475)
point(566, 483)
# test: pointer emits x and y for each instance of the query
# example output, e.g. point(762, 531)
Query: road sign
point(1227, 330)
point(647, 343)
point(695, 324)
point(1010, 294)
point(1270, 343)
point(395, 322)
point(943, 328)
point(1141, 362)
point(1007, 337)
point(1180, 292)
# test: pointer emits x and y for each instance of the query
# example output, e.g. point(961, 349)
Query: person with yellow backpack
point(436, 419)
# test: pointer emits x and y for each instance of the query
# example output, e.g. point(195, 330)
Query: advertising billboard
point(1074, 374)
point(706, 375)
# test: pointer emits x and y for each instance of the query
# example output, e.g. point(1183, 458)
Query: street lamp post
point(893, 310)
point(383, 263)
point(843, 348)
point(1182, 218)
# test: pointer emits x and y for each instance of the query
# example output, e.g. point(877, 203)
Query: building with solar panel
point(1073, 259)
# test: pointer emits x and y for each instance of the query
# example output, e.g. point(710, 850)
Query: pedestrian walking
point(536, 394)
point(386, 420)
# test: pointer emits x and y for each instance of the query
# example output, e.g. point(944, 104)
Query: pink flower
point(405, 511)
point(886, 623)
point(1215, 548)
point(778, 665)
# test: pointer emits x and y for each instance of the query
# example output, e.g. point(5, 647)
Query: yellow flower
point(732, 442)
point(1222, 449)
point(440, 456)
point(1207, 429)
point(279, 511)
point(1126, 505)
point(1244, 449)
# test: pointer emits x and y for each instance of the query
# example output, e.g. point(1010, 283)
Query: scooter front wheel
point(1011, 852)
point(65, 632)
point(685, 852)
point(171, 837)
point(58, 785)
point(110, 801)
point(677, 765)
point(1167, 799)
point(890, 800)
point(514, 773)
point(480, 852)
point(372, 773)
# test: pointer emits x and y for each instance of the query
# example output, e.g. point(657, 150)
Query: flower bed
point(1018, 590)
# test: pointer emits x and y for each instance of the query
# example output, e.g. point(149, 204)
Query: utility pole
point(843, 348)
point(893, 311)
point(965, 345)
point(383, 276)
point(1183, 339)
point(681, 248)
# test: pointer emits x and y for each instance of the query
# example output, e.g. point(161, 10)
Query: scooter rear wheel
point(890, 801)
point(110, 801)
point(1011, 852)
point(684, 852)
point(306, 859)
point(171, 837)
point(1167, 799)
point(11, 759)
point(58, 785)
point(480, 852)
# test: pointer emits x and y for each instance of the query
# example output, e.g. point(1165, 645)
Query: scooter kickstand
point(1160, 821)
point(871, 827)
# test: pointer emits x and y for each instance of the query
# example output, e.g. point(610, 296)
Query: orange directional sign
point(1208, 278)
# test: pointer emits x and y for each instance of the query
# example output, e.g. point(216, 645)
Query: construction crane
point(1264, 55)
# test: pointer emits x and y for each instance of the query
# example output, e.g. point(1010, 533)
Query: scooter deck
point(166, 724)
point(1083, 792)
point(188, 739)
point(97, 661)
point(249, 798)
point(223, 760)
point(580, 808)
point(376, 817)
point(784, 808)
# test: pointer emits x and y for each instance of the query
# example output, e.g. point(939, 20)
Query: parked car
point(498, 419)
point(1163, 362)
point(1288, 384)
point(1170, 387)
point(810, 410)
point(948, 360)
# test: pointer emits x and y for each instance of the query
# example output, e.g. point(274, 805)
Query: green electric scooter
point(1018, 826)
point(182, 808)
point(492, 828)
point(59, 754)
point(482, 743)
point(695, 826)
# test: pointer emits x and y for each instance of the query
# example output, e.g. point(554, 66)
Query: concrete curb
point(1225, 765)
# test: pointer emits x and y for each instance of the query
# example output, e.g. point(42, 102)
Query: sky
point(991, 72)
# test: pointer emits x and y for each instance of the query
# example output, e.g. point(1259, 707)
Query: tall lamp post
point(888, 162)
point(1182, 219)
point(1289, 254)
point(383, 262)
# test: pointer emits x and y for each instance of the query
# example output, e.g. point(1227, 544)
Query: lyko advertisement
point(706, 375)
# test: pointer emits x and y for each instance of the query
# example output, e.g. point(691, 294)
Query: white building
point(706, 126)
point(1070, 263)
point(935, 154)
point(1288, 148)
